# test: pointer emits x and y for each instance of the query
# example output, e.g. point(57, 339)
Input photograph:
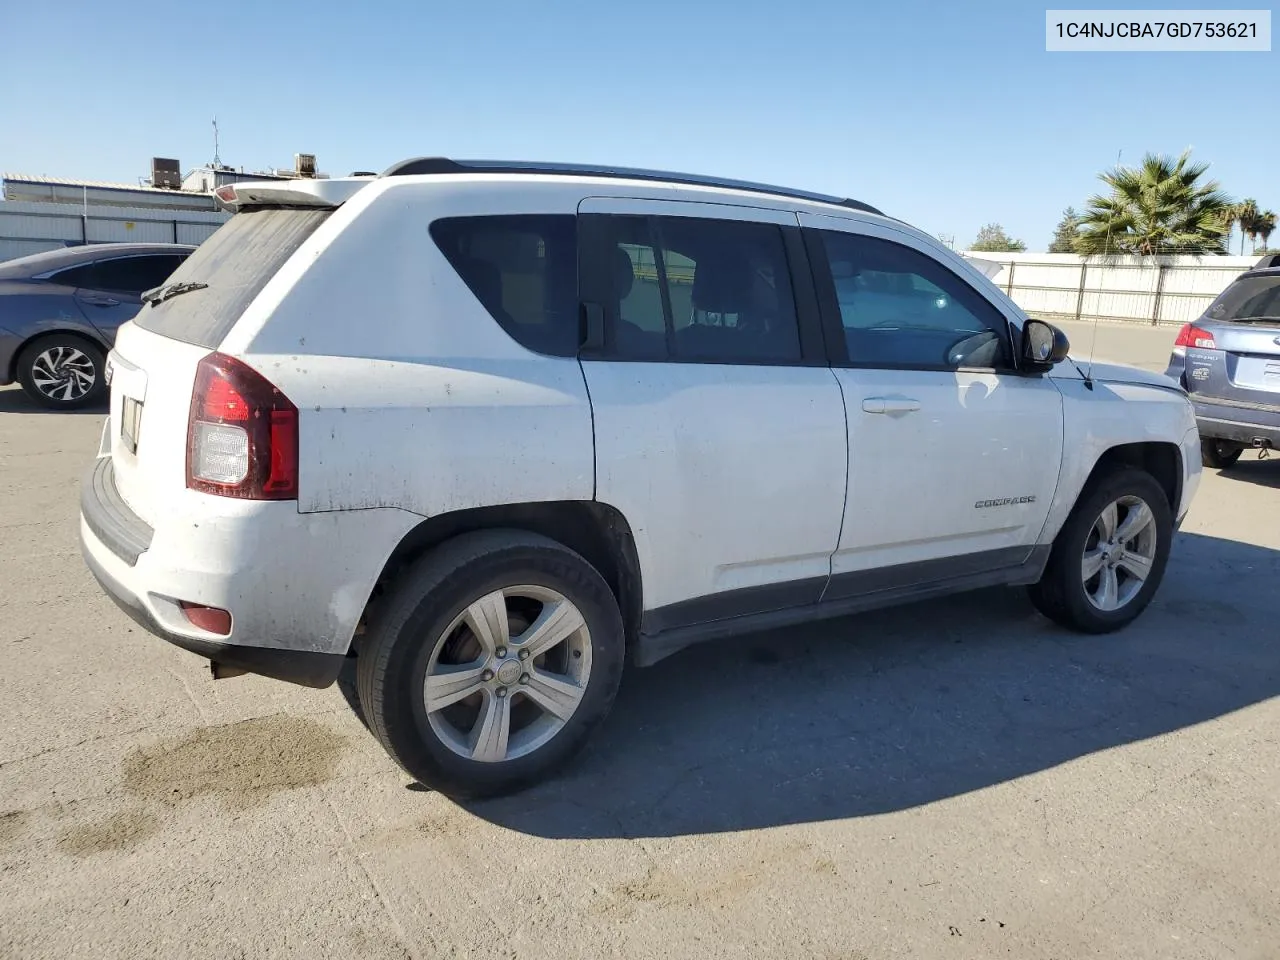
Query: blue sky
point(947, 115)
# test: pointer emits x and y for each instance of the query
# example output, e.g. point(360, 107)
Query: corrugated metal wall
point(1059, 286)
point(30, 227)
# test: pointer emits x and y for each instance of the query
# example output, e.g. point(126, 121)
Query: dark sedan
point(59, 312)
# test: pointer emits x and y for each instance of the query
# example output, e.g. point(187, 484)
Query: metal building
point(45, 213)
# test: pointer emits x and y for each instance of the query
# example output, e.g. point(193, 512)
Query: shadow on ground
point(887, 711)
point(13, 400)
point(1249, 469)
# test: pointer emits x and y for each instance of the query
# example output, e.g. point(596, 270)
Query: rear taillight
point(1192, 336)
point(242, 434)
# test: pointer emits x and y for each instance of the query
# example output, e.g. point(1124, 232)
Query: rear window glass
point(524, 270)
point(1252, 299)
point(236, 263)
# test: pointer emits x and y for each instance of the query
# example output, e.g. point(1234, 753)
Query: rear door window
point(692, 289)
point(523, 270)
point(81, 276)
point(132, 275)
point(236, 263)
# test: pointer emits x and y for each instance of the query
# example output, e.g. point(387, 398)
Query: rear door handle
point(101, 301)
point(889, 405)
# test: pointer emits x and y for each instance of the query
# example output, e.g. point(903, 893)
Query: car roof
point(37, 263)
point(1259, 272)
point(420, 166)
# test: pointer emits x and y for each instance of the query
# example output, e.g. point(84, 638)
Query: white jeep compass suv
point(496, 429)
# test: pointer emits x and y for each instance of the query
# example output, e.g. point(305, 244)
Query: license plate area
point(130, 421)
point(1254, 372)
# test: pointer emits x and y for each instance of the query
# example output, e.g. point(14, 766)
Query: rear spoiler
point(288, 193)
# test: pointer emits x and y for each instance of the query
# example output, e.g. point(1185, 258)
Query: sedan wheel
point(62, 372)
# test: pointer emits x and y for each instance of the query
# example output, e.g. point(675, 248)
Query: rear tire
point(63, 371)
point(1219, 454)
point(461, 676)
point(1094, 583)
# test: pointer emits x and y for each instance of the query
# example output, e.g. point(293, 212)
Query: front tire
point(63, 371)
point(1219, 454)
point(490, 663)
point(1110, 556)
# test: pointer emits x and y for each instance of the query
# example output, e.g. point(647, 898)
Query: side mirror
point(1043, 345)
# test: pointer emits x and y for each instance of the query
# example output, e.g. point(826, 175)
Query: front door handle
point(889, 405)
point(101, 301)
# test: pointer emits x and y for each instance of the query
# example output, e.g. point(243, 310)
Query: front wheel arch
point(1160, 459)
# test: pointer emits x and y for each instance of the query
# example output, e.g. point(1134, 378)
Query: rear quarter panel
point(29, 310)
point(409, 394)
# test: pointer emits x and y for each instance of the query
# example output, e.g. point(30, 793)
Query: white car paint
point(414, 403)
point(1124, 405)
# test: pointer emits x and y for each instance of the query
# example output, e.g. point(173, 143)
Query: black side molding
point(668, 630)
point(121, 530)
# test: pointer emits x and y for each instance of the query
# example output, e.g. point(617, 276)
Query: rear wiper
point(161, 294)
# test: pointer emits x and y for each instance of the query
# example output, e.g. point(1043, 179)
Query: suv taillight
point(1192, 336)
point(242, 434)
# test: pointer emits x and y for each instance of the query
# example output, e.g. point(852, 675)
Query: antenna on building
point(217, 160)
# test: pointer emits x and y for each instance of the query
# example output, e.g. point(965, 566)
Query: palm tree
point(1264, 226)
point(1162, 206)
point(1246, 215)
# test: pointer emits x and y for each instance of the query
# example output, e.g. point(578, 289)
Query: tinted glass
point(1251, 299)
point(133, 274)
point(523, 269)
point(716, 291)
point(900, 307)
point(236, 263)
point(81, 276)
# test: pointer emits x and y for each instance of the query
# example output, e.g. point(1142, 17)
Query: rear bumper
point(294, 666)
point(1237, 423)
point(295, 584)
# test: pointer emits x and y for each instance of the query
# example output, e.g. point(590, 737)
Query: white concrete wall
point(1065, 286)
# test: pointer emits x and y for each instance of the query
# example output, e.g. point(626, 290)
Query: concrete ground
point(958, 779)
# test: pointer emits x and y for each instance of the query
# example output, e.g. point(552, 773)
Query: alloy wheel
point(64, 374)
point(1119, 553)
point(508, 673)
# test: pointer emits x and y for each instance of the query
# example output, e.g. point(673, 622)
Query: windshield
point(1249, 299)
point(226, 272)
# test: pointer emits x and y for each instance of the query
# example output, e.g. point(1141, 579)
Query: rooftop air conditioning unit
point(166, 173)
point(304, 164)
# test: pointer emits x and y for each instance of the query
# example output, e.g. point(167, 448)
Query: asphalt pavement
point(956, 779)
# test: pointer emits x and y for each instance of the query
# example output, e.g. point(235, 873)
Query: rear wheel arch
point(596, 531)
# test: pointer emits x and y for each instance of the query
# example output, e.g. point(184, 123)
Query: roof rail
point(433, 165)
